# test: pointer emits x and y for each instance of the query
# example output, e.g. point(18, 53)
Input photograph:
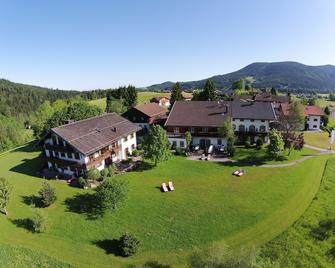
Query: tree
point(109, 99)
point(128, 244)
point(209, 91)
point(239, 84)
point(39, 220)
point(327, 110)
point(111, 193)
point(47, 194)
point(274, 91)
point(131, 96)
point(293, 141)
point(325, 120)
point(276, 146)
point(5, 190)
point(156, 145)
point(188, 138)
point(295, 119)
point(230, 146)
point(227, 130)
point(93, 174)
point(176, 93)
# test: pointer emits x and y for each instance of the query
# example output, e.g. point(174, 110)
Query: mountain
point(288, 75)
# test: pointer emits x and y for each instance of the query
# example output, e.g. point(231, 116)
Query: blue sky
point(82, 45)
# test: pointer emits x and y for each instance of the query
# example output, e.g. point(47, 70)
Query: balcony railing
point(58, 148)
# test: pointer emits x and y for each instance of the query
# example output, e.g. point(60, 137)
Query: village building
point(146, 114)
point(161, 101)
point(96, 142)
point(313, 115)
point(203, 119)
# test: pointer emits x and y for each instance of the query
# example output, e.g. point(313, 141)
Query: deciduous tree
point(176, 93)
point(156, 145)
point(276, 146)
point(5, 190)
point(47, 194)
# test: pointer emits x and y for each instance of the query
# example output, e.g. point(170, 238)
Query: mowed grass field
point(209, 205)
point(143, 97)
point(319, 139)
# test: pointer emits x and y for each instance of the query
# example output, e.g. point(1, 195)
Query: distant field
point(143, 97)
point(323, 103)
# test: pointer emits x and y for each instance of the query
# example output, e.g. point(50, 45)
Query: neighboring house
point(313, 116)
point(252, 119)
point(146, 114)
point(161, 101)
point(91, 143)
point(201, 118)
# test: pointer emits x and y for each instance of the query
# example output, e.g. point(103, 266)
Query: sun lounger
point(164, 187)
point(236, 172)
point(171, 186)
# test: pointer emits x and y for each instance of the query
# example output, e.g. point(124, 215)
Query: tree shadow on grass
point(84, 204)
point(32, 200)
point(110, 246)
point(142, 166)
point(155, 264)
point(23, 223)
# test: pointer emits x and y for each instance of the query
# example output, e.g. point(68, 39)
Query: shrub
point(230, 146)
point(39, 221)
point(259, 144)
point(93, 174)
point(247, 142)
point(135, 153)
point(129, 244)
point(112, 168)
point(180, 151)
point(110, 193)
point(47, 194)
point(104, 174)
point(82, 182)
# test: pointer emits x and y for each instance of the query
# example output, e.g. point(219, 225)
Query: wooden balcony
point(58, 148)
point(194, 134)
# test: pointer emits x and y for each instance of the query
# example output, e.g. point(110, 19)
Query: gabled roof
point(150, 109)
point(158, 98)
point(92, 134)
point(264, 97)
point(313, 110)
point(253, 110)
point(198, 114)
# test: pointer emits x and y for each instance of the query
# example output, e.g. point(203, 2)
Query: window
point(252, 128)
point(192, 129)
point(241, 128)
point(233, 119)
point(315, 126)
point(133, 146)
point(54, 140)
point(76, 156)
point(142, 118)
point(252, 120)
point(176, 130)
point(219, 141)
point(182, 144)
point(62, 154)
point(126, 138)
point(262, 128)
point(262, 120)
point(132, 135)
point(205, 129)
point(315, 119)
point(69, 155)
point(174, 144)
point(234, 126)
point(242, 120)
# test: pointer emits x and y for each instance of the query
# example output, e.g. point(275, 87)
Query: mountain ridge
point(285, 75)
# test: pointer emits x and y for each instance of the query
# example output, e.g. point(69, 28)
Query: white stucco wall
point(247, 123)
point(127, 144)
point(196, 141)
point(312, 124)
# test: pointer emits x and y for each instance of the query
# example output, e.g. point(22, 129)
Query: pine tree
point(273, 91)
point(176, 93)
point(209, 91)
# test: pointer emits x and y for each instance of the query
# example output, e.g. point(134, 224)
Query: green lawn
point(319, 139)
point(298, 247)
point(258, 157)
point(143, 97)
point(208, 205)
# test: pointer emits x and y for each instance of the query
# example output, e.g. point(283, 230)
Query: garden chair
point(164, 187)
point(171, 187)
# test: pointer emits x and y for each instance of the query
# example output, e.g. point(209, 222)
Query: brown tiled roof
point(253, 110)
point(158, 98)
point(198, 114)
point(313, 110)
point(264, 97)
point(90, 135)
point(151, 109)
